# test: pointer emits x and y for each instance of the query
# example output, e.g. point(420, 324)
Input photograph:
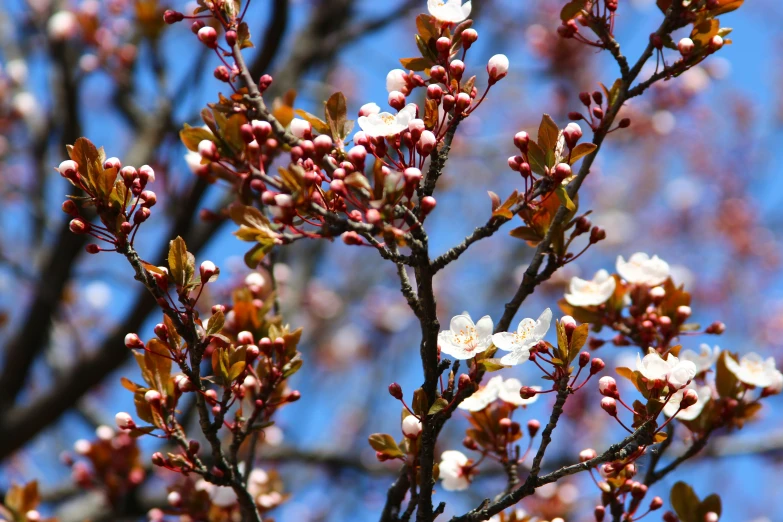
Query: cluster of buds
point(597, 16)
point(110, 463)
point(118, 194)
point(618, 487)
point(594, 103)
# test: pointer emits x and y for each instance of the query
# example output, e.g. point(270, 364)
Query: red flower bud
point(427, 204)
point(609, 405)
point(532, 427)
point(596, 365)
point(208, 36)
point(79, 226)
point(172, 17)
point(395, 390)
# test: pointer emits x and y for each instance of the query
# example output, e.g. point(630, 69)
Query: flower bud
point(587, 454)
point(208, 150)
point(448, 102)
point(427, 204)
point(596, 365)
point(300, 128)
point(457, 69)
point(395, 390)
point(689, 398)
point(124, 420)
point(497, 68)
point(597, 234)
point(716, 42)
point(172, 17)
point(469, 443)
point(599, 513)
point(657, 503)
point(411, 426)
point(521, 140)
point(716, 328)
point(438, 73)
point(607, 386)
point(153, 397)
point(231, 37)
point(572, 134)
point(92, 248)
point(426, 143)
point(68, 169)
point(434, 92)
point(264, 82)
point(609, 405)
point(397, 80)
point(463, 102)
point(584, 359)
point(207, 270)
point(526, 392)
point(685, 46)
point(624, 123)
point(141, 215)
point(208, 36)
point(396, 100)
point(443, 45)
point(356, 156)
point(469, 37)
point(412, 176)
point(323, 144)
point(683, 312)
point(79, 226)
point(261, 130)
point(132, 341)
point(532, 427)
point(561, 172)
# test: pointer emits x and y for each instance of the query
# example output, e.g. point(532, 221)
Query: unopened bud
point(411, 426)
point(395, 390)
point(587, 454)
point(427, 204)
point(132, 341)
point(685, 46)
point(207, 271)
point(532, 427)
point(596, 365)
point(657, 503)
point(208, 36)
point(609, 405)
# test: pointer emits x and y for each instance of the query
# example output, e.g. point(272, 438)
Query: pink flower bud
point(657, 503)
point(373, 216)
point(521, 140)
point(207, 271)
point(396, 80)
point(245, 337)
point(443, 45)
point(411, 427)
point(416, 127)
point(132, 341)
point(716, 42)
point(149, 198)
point(689, 398)
point(152, 396)
point(264, 82)
point(514, 162)
point(92, 248)
point(351, 238)
point(587, 454)
point(526, 392)
point(607, 386)
point(685, 46)
point(609, 405)
point(172, 17)
point(396, 100)
point(302, 129)
point(426, 143)
point(683, 312)
point(412, 175)
point(141, 215)
point(183, 383)
point(208, 149)
point(438, 73)
point(462, 102)
point(323, 144)
point(584, 359)
point(356, 156)
point(231, 38)
point(448, 102)
point(124, 420)
point(457, 69)
point(221, 73)
point(572, 134)
point(596, 365)
point(469, 37)
point(112, 163)
point(261, 130)
point(68, 169)
point(427, 204)
point(532, 427)
point(434, 92)
point(128, 175)
point(497, 68)
point(208, 36)
point(562, 171)
point(79, 226)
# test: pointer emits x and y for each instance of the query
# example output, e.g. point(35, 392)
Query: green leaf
point(192, 136)
point(710, 504)
point(416, 64)
point(581, 150)
point(565, 199)
point(437, 406)
point(572, 9)
point(419, 402)
point(547, 133)
point(491, 365)
point(336, 111)
point(292, 366)
point(384, 443)
point(216, 323)
point(685, 502)
point(537, 158)
point(236, 370)
point(178, 262)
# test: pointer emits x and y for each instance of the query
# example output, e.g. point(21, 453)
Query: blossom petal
point(505, 341)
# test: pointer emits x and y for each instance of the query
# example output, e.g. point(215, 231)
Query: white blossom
point(452, 470)
point(300, 127)
point(755, 371)
point(691, 412)
point(62, 25)
point(528, 333)
point(451, 11)
point(671, 370)
point(222, 496)
point(464, 338)
point(704, 359)
point(497, 388)
point(386, 124)
point(594, 292)
point(642, 269)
